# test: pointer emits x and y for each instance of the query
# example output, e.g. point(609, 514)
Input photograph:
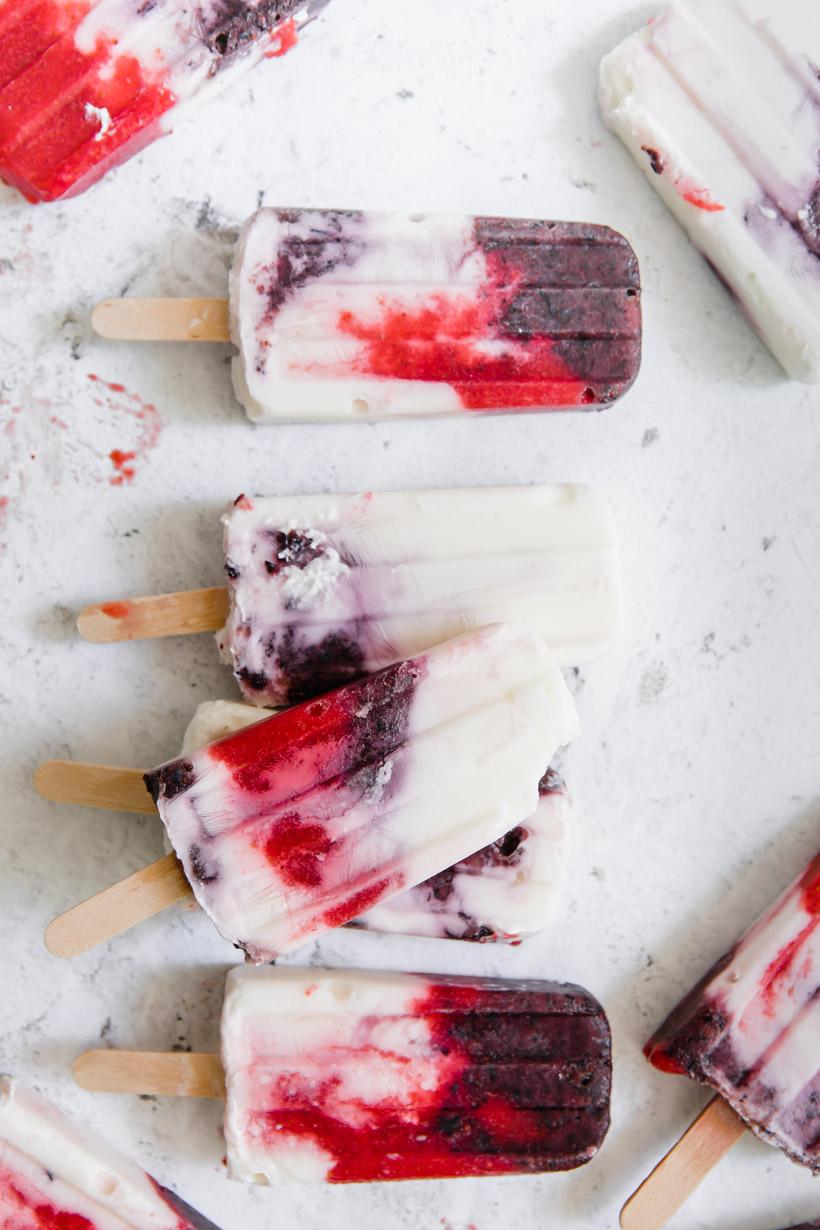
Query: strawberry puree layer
point(83, 85)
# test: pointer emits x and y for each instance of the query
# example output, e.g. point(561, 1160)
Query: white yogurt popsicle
point(306, 820)
point(503, 892)
point(57, 1173)
point(341, 314)
point(325, 588)
point(719, 102)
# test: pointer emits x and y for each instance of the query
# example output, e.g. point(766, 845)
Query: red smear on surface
point(457, 340)
point(287, 36)
point(48, 151)
point(697, 195)
point(116, 610)
point(122, 464)
point(120, 400)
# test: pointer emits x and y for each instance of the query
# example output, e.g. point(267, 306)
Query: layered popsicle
point(504, 892)
point(340, 1076)
point(326, 588)
point(58, 1175)
point(84, 84)
point(719, 102)
point(751, 1027)
point(310, 818)
point(351, 315)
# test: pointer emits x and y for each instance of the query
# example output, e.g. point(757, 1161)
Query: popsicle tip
point(102, 622)
point(101, 318)
point(83, 1069)
point(43, 777)
point(58, 940)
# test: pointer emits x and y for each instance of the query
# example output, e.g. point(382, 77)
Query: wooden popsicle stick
point(138, 619)
point(162, 320)
point(684, 1167)
point(165, 1073)
point(115, 909)
point(93, 785)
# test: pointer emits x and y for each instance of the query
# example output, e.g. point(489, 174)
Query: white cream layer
point(352, 1027)
point(416, 256)
point(76, 1170)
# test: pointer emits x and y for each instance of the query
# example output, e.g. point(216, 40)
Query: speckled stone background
point(697, 776)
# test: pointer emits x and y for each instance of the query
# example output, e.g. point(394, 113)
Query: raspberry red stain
point(360, 901)
point(46, 1216)
point(297, 850)
point(287, 36)
point(122, 463)
point(116, 610)
point(784, 967)
point(149, 427)
point(811, 891)
point(697, 195)
point(459, 340)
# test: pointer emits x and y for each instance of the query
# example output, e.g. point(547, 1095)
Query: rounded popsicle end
point(104, 319)
point(102, 623)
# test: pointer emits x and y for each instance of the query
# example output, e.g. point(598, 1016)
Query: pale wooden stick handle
point(115, 909)
point(138, 619)
point(168, 1074)
point(93, 785)
point(163, 320)
point(683, 1168)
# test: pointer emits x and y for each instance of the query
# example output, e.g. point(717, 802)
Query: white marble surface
point(697, 777)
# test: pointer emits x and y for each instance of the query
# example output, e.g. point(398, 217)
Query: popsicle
point(84, 84)
point(345, 315)
point(751, 1028)
point(340, 1076)
point(719, 102)
point(504, 892)
point(325, 588)
point(56, 1174)
point(306, 820)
